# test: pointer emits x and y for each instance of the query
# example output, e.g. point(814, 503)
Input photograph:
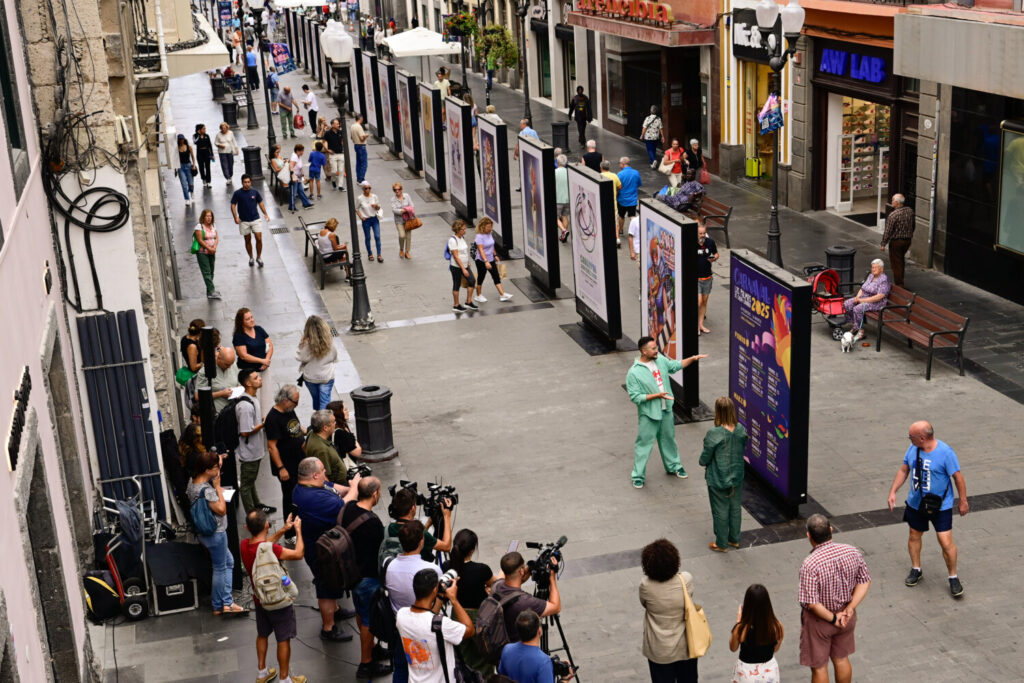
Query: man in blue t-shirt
point(524, 661)
point(244, 204)
point(933, 470)
point(629, 193)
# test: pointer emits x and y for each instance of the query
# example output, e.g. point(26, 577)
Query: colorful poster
point(427, 114)
point(224, 13)
point(405, 118)
point(532, 177)
point(456, 150)
point(385, 102)
point(282, 58)
point(489, 172)
point(369, 84)
point(585, 214)
point(660, 273)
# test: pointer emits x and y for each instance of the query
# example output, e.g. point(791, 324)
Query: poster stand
point(408, 119)
point(371, 88)
point(540, 226)
point(495, 190)
point(358, 88)
point(431, 118)
point(392, 131)
point(461, 168)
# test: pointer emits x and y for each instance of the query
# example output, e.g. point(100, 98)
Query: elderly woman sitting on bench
point(872, 296)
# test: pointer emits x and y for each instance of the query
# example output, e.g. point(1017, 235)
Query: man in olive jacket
point(647, 384)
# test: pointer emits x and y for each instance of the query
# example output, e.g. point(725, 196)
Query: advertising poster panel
point(769, 370)
point(592, 219)
point(388, 108)
point(372, 87)
point(408, 119)
point(358, 87)
point(282, 58)
point(431, 129)
point(494, 174)
point(540, 229)
point(461, 172)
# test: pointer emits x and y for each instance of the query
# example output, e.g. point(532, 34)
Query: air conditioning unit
point(123, 130)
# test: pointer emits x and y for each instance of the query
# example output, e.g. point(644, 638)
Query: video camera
point(561, 669)
point(542, 567)
point(361, 470)
point(410, 485)
point(441, 496)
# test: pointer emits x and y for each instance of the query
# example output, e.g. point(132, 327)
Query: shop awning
point(675, 35)
point(420, 42)
point(293, 4)
point(212, 54)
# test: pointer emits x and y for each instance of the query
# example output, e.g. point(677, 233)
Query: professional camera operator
point(403, 509)
point(418, 637)
point(398, 579)
point(513, 566)
point(524, 660)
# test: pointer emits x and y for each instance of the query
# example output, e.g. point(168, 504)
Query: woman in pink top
point(206, 233)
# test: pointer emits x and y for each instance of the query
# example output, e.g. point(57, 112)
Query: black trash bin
point(840, 259)
point(229, 109)
point(217, 85)
point(560, 135)
point(252, 162)
point(373, 423)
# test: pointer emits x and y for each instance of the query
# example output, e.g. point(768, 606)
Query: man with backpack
point(277, 618)
point(428, 636)
point(513, 566)
point(399, 582)
point(318, 502)
point(251, 447)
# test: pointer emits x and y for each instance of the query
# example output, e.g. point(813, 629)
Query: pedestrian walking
point(674, 155)
point(758, 635)
point(236, 46)
point(707, 253)
point(592, 158)
point(359, 136)
point(186, 169)
point(562, 195)
point(312, 106)
point(899, 231)
point(694, 157)
point(335, 154)
point(317, 360)
point(252, 74)
point(580, 112)
point(297, 186)
point(206, 233)
point(722, 460)
point(525, 131)
point(227, 150)
point(273, 88)
point(279, 621)
point(246, 205)
point(487, 260)
point(442, 83)
point(933, 469)
point(652, 133)
point(833, 581)
point(317, 161)
point(378, 40)
point(285, 442)
point(458, 264)
point(286, 110)
point(369, 212)
point(648, 387)
point(204, 152)
point(606, 171)
point(403, 210)
point(661, 594)
point(629, 195)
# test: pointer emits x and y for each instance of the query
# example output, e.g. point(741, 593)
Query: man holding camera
point(421, 627)
point(318, 502)
point(513, 566)
point(319, 446)
point(524, 660)
point(398, 579)
point(403, 509)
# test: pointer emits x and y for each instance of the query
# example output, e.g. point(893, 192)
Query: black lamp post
point(250, 108)
point(792, 23)
point(522, 9)
point(271, 137)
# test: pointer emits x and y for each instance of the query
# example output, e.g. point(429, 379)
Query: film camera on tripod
point(438, 507)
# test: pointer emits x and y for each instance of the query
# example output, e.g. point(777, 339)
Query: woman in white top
point(368, 210)
point(328, 243)
point(227, 149)
point(206, 233)
point(401, 206)
point(280, 167)
point(317, 357)
point(459, 267)
point(652, 133)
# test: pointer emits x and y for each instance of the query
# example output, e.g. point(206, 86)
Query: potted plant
point(461, 24)
point(496, 47)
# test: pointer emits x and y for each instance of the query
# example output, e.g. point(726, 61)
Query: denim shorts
point(362, 598)
point(704, 285)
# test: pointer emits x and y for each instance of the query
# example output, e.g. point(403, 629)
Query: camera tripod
point(543, 592)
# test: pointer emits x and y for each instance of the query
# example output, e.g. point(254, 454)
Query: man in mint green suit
point(648, 387)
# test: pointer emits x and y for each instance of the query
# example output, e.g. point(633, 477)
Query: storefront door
point(857, 165)
point(643, 88)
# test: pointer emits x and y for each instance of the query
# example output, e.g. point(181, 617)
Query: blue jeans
point(297, 190)
point(361, 163)
point(223, 564)
point(187, 183)
point(227, 165)
point(652, 150)
point(368, 224)
point(321, 393)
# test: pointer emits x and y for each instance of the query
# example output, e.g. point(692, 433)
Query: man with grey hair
point(606, 171)
point(285, 436)
point(562, 195)
point(320, 445)
point(525, 131)
point(833, 581)
point(899, 231)
point(592, 158)
point(629, 194)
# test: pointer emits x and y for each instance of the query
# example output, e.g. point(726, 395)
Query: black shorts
point(918, 520)
point(626, 210)
point(280, 622)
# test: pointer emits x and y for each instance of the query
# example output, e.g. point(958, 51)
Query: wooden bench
point(276, 187)
point(715, 213)
point(312, 231)
point(919, 320)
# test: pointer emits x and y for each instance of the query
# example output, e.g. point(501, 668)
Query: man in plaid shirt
point(899, 230)
point(833, 581)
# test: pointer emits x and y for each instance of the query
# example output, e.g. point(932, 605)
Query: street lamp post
point(522, 9)
point(792, 23)
point(250, 108)
point(271, 137)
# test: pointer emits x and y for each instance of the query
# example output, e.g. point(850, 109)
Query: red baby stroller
point(826, 299)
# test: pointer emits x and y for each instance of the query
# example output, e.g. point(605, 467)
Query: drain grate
point(278, 231)
point(334, 331)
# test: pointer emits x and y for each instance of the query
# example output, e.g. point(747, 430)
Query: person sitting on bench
point(329, 244)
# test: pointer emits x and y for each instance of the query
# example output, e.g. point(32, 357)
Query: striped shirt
point(899, 225)
point(830, 573)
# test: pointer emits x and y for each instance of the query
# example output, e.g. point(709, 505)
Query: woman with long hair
point(204, 152)
point(661, 594)
point(475, 581)
point(345, 441)
point(280, 168)
point(205, 483)
point(317, 357)
point(209, 240)
point(191, 353)
point(254, 350)
point(758, 636)
point(190, 446)
point(186, 169)
point(722, 459)
point(487, 260)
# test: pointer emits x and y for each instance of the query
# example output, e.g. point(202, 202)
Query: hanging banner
point(224, 13)
point(494, 174)
point(461, 175)
point(282, 58)
point(371, 86)
point(770, 116)
point(431, 135)
point(408, 118)
point(540, 228)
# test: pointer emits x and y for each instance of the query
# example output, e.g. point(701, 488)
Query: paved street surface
point(537, 436)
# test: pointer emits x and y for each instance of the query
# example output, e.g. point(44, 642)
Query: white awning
point(292, 4)
point(419, 42)
point(206, 57)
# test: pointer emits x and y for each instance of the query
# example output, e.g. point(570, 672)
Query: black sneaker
point(459, 308)
point(373, 669)
point(472, 306)
point(381, 654)
point(267, 508)
point(335, 636)
point(913, 577)
point(344, 613)
point(955, 587)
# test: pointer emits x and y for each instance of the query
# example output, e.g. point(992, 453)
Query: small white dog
point(847, 342)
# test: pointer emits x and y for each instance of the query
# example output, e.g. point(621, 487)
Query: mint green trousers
point(663, 432)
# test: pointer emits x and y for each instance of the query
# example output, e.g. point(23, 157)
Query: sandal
point(370, 256)
point(233, 609)
point(408, 254)
point(716, 548)
point(380, 259)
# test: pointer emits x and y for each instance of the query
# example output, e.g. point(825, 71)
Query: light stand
point(521, 9)
point(792, 23)
point(271, 137)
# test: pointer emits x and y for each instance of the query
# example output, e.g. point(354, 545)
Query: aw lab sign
point(864, 64)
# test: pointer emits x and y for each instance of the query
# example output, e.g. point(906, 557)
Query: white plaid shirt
point(830, 573)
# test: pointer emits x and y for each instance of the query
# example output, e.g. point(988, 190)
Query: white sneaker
point(505, 297)
point(480, 299)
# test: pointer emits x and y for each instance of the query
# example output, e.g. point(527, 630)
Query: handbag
point(195, 171)
point(196, 245)
point(412, 223)
point(184, 375)
point(502, 270)
point(698, 633)
point(705, 176)
point(298, 122)
point(666, 168)
point(931, 503)
point(284, 175)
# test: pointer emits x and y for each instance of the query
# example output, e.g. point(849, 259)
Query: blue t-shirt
point(937, 469)
point(250, 59)
point(529, 133)
point(318, 509)
point(248, 203)
point(524, 663)
point(628, 193)
point(316, 161)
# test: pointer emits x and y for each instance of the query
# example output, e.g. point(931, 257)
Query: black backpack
point(225, 427)
point(382, 616)
point(336, 566)
point(491, 632)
